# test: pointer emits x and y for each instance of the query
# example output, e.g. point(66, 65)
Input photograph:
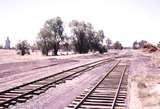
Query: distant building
point(7, 43)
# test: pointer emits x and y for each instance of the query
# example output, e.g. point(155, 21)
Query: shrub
point(23, 47)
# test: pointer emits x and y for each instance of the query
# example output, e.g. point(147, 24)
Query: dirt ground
point(61, 96)
point(23, 71)
point(16, 70)
point(143, 88)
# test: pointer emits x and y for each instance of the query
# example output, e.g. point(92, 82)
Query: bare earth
point(144, 77)
point(15, 71)
point(144, 81)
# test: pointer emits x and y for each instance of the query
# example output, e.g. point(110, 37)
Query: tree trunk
point(45, 51)
point(56, 47)
point(22, 52)
point(55, 52)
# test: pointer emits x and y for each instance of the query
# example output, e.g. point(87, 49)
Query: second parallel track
point(26, 91)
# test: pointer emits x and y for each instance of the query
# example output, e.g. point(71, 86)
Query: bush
point(118, 45)
point(23, 47)
point(102, 49)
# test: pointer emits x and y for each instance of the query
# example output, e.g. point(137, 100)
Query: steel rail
point(53, 75)
point(81, 102)
point(119, 85)
point(108, 93)
point(28, 92)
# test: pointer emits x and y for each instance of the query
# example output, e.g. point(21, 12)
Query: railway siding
point(26, 91)
point(109, 93)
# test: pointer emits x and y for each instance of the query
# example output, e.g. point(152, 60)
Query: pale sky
point(123, 20)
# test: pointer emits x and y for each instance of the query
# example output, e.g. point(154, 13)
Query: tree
point(142, 43)
point(44, 41)
point(80, 35)
point(66, 44)
point(24, 47)
point(94, 42)
point(85, 38)
point(100, 36)
point(117, 45)
point(135, 45)
point(158, 45)
point(97, 41)
point(50, 36)
point(108, 43)
point(34, 47)
point(102, 49)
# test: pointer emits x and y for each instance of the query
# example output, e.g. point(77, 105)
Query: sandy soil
point(10, 56)
point(144, 79)
point(14, 71)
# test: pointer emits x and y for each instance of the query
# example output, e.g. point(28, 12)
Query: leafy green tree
point(66, 44)
point(135, 45)
point(80, 37)
point(23, 47)
point(118, 45)
point(34, 47)
point(101, 36)
point(44, 41)
point(50, 36)
point(97, 41)
point(102, 49)
point(85, 38)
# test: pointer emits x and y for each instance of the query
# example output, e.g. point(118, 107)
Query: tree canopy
point(51, 35)
point(118, 45)
point(85, 38)
point(23, 47)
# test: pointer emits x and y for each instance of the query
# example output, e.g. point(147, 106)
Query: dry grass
point(155, 58)
point(149, 90)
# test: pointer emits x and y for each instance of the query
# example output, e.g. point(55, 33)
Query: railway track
point(109, 93)
point(22, 93)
